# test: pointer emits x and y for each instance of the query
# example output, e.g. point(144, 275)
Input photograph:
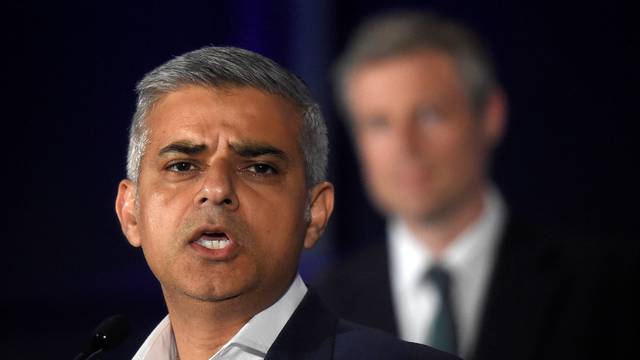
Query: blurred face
point(220, 208)
point(423, 152)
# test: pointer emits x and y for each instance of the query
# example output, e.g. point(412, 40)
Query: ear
point(495, 117)
point(127, 211)
point(320, 209)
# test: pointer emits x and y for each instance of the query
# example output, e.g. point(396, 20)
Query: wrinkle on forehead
point(242, 115)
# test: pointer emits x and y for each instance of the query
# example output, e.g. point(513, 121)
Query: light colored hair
point(405, 32)
point(227, 67)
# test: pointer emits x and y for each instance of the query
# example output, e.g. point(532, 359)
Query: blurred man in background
point(455, 269)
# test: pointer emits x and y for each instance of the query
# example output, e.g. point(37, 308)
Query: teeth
point(214, 244)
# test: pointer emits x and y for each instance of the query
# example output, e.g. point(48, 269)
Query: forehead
point(206, 115)
point(422, 73)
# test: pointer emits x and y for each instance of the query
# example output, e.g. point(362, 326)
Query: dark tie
point(443, 329)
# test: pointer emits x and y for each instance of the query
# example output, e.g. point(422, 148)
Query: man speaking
point(225, 187)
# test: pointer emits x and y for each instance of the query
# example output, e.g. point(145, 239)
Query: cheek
point(168, 203)
point(273, 216)
point(276, 218)
point(161, 224)
point(376, 155)
point(161, 213)
point(458, 153)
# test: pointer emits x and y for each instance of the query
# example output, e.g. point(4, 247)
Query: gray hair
point(403, 32)
point(224, 67)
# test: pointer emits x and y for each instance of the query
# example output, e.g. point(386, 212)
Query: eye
point(428, 116)
point(181, 166)
point(261, 169)
point(375, 123)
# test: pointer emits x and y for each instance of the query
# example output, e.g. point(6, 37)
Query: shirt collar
point(477, 241)
point(263, 329)
point(256, 336)
point(410, 259)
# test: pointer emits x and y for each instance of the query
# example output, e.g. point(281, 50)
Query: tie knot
point(439, 276)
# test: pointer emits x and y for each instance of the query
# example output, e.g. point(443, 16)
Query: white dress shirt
point(469, 261)
point(250, 343)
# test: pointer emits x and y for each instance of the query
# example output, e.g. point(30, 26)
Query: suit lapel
point(371, 290)
point(359, 290)
point(524, 284)
point(309, 334)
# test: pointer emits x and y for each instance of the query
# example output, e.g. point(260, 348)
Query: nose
point(407, 137)
point(217, 188)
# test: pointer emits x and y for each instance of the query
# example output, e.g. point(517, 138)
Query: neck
point(439, 232)
point(201, 328)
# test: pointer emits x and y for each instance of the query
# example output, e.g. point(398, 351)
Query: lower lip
point(223, 254)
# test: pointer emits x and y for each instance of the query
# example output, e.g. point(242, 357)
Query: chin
point(419, 212)
point(207, 297)
point(408, 205)
point(213, 295)
point(212, 287)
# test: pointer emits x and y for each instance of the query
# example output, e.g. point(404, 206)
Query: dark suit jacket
point(549, 298)
point(316, 333)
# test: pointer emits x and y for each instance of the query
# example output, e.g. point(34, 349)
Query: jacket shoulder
point(354, 341)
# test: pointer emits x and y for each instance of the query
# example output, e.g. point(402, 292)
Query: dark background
point(69, 74)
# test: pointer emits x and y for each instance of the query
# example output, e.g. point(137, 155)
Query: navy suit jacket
point(315, 333)
point(548, 298)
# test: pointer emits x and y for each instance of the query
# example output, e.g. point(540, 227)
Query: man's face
point(423, 151)
point(221, 194)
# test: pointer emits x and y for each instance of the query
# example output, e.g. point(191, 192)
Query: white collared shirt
point(250, 343)
point(469, 261)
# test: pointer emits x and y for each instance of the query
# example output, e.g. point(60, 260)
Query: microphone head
point(110, 333)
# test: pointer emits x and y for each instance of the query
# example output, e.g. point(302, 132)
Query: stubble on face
point(198, 270)
point(266, 258)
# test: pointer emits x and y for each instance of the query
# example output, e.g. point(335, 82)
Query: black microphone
point(109, 334)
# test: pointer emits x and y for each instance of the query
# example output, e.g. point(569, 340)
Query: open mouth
point(213, 240)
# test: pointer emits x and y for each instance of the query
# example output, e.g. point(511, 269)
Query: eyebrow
point(244, 149)
point(183, 147)
point(251, 150)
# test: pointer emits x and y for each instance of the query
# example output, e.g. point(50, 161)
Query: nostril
point(212, 201)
